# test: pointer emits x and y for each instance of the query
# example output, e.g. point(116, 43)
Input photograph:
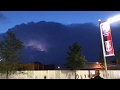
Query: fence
point(62, 74)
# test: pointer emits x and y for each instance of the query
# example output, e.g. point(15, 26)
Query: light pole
point(106, 38)
point(103, 49)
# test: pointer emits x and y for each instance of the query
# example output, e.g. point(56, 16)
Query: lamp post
point(106, 38)
point(103, 49)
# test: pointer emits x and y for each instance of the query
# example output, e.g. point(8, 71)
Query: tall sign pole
point(103, 49)
point(107, 44)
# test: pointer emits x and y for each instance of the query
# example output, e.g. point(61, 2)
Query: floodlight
point(114, 19)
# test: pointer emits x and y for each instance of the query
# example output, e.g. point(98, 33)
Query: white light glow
point(36, 45)
point(99, 20)
point(114, 19)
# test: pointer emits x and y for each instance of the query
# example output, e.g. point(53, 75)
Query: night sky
point(9, 19)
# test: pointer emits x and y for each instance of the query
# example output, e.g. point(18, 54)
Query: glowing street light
point(114, 19)
point(97, 63)
point(58, 67)
point(106, 38)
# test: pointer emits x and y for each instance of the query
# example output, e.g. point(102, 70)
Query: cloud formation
point(48, 42)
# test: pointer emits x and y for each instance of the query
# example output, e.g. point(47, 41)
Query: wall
point(62, 74)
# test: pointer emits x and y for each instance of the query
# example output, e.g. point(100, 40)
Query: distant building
point(113, 67)
point(92, 66)
point(49, 67)
point(38, 66)
point(33, 66)
point(97, 65)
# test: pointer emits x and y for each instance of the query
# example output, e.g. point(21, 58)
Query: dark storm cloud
point(48, 42)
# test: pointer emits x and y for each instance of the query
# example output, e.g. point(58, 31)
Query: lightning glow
point(36, 45)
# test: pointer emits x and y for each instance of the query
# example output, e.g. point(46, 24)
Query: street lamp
point(103, 48)
point(114, 19)
point(58, 68)
point(106, 38)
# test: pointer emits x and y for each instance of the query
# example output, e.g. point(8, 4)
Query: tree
point(75, 59)
point(10, 54)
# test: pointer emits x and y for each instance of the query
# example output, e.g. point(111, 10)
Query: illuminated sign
point(107, 38)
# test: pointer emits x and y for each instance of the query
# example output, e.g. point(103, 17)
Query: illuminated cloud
point(37, 45)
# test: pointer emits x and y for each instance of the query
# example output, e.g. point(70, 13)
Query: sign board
point(107, 39)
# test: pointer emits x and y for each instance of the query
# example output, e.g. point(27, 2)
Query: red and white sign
point(107, 38)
